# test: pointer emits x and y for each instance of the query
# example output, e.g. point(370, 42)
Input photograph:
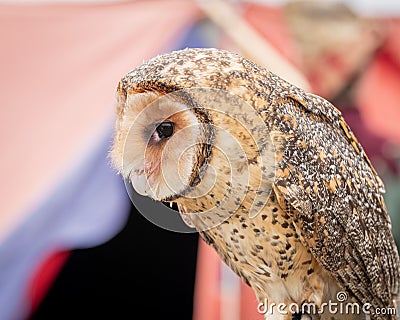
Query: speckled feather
point(326, 216)
point(340, 211)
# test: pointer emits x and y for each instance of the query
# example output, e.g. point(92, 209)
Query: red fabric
point(378, 92)
point(44, 277)
point(207, 288)
point(270, 23)
point(248, 303)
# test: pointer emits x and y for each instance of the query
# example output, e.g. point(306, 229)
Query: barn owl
point(270, 176)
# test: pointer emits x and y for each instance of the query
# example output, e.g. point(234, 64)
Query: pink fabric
point(60, 66)
point(207, 289)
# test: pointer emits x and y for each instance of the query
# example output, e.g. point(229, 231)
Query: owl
point(270, 176)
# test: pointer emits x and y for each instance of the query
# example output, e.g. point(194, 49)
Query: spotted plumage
point(271, 176)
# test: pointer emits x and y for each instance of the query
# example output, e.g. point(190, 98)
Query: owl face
point(172, 148)
point(157, 144)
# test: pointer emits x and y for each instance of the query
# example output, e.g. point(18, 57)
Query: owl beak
point(141, 184)
point(144, 181)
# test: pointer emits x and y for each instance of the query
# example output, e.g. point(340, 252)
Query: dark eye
point(165, 130)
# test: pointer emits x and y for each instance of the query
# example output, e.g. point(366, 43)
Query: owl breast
point(265, 251)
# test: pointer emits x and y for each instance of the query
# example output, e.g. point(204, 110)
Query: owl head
point(188, 130)
point(162, 144)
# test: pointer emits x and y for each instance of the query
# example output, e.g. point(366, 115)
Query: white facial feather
point(158, 169)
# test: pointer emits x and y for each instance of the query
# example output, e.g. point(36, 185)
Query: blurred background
point(71, 242)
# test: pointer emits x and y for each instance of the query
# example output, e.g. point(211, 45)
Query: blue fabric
point(89, 207)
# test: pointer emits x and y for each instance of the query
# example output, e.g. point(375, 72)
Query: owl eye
point(165, 130)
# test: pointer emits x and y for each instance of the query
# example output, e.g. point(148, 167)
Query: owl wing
point(335, 197)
